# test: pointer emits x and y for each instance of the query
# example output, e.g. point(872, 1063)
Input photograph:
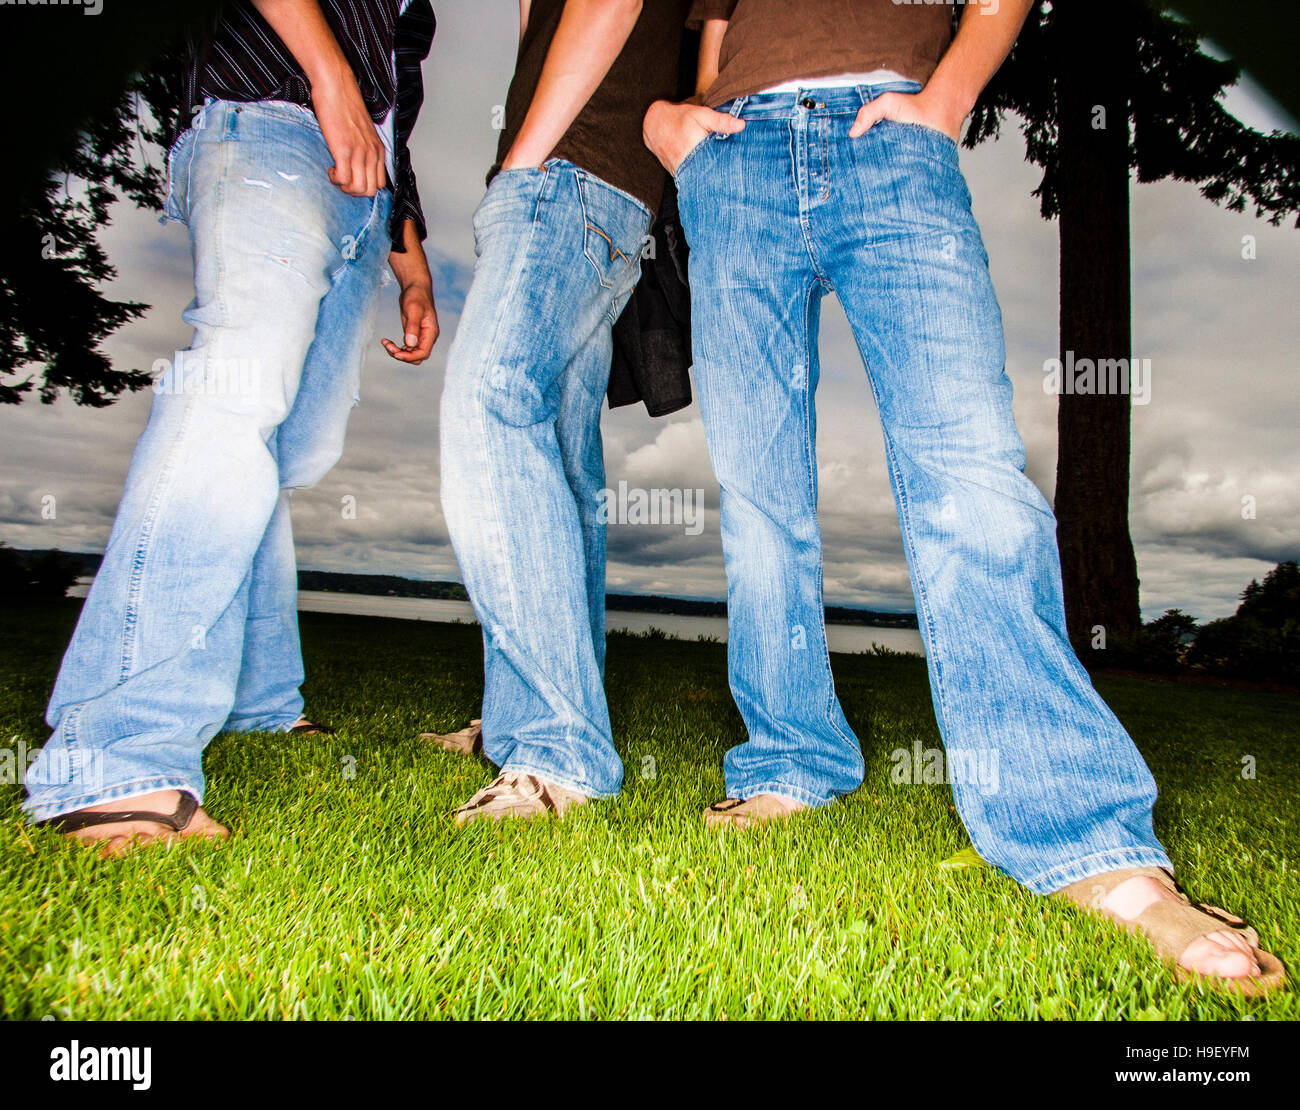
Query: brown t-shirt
point(605, 139)
point(769, 42)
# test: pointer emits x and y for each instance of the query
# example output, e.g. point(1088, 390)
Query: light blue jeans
point(559, 251)
point(778, 215)
point(191, 624)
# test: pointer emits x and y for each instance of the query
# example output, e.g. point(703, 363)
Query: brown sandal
point(468, 741)
point(1170, 925)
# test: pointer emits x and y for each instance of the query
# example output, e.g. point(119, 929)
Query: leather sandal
point(468, 741)
point(1171, 924)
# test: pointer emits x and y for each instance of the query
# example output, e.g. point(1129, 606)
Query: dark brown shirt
point(605, 139)
point(769, 42)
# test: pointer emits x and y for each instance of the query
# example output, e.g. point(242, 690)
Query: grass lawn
point(346, 891)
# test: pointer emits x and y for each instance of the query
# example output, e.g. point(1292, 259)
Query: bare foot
point(116, 837)
point(733, 813)
point(1229, 954)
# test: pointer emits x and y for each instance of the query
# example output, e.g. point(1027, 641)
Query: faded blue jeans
point(559, 252)
point(191, 626)
point(778, 215)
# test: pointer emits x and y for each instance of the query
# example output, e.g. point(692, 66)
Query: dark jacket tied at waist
point(652, 339)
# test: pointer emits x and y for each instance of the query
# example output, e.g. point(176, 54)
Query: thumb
point(868, 115)
point(410, 326)
point(724, 122)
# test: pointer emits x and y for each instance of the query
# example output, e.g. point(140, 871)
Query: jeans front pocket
point(176, 202)
point(691, 155)
point(940, 138)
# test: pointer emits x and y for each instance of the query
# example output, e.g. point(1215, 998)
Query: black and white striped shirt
point(243, 59)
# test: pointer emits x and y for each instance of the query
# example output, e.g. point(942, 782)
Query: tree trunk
point(1099, 571)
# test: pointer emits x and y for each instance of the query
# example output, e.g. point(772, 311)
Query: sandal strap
point(1090, 892)
point(178, 820)
point(1170, 924)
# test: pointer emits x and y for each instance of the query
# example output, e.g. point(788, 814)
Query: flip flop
point(177, 821)
point(304, 727)
point(1170, 925)
point(734, 813)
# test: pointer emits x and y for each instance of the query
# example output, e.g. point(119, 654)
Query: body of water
point(841, 637)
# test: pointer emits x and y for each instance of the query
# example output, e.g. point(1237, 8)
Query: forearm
point(302, 28)
point(589, 37)
point(710, 51)
point(984, 38)
point(410, 267)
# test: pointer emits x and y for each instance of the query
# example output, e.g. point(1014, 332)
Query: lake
point(841, 637)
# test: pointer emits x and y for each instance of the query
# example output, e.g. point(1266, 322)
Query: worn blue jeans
point(522, 463)
point(778, 215)
point(191, 624)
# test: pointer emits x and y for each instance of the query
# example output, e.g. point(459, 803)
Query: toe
point(1221, 955)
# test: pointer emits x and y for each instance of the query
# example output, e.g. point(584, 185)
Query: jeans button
point(808, 102)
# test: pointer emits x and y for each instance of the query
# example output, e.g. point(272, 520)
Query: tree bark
point(1098, 568)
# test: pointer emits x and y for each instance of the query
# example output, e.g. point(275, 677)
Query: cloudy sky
point(1221, 332)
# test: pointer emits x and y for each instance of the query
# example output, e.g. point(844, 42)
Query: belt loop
point(863, 93)
point(737, 105)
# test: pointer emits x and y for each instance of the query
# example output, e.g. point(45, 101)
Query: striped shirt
point(244, 60)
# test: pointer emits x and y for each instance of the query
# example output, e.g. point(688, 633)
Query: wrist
point(415, 283)
point(524, 152)
point(333, 75)
point(951, 101)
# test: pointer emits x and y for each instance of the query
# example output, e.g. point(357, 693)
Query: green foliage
point(1163, 643)
point(1179, 128)
point(101, 138)
point(1262, 639)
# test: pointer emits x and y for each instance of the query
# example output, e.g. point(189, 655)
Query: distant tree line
point(1260, 641)
point(36, 574)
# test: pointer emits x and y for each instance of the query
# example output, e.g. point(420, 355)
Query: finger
point(396, 352)
point(360, 174)
point(383, 170)
point(348, 175)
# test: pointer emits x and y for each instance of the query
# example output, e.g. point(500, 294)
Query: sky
point(1221, 332)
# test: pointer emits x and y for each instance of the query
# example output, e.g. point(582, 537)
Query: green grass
point(356, 897)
